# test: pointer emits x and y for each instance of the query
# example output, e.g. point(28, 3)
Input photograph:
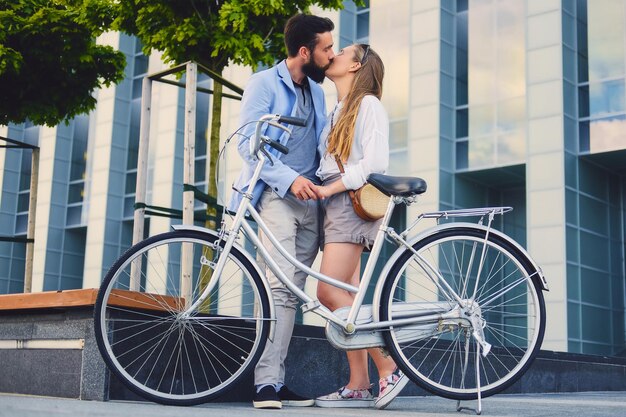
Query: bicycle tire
point(438, 356)
point(162, 357)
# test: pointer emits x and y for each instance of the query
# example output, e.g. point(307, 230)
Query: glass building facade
point(537, 105)
point(519, 103)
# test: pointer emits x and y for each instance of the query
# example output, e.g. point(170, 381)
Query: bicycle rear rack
point(448, 214)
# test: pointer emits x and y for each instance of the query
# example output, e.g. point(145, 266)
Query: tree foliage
point(50, 63)
point(213, 32)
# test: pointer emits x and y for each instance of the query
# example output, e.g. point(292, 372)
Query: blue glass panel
point(572, 244)
point(25, 170)
point(137, 88)
point(461, 155)
point(362, 25)
point(594, 324)
point(131, 182)
point(594, 215)
point(462, 123)
point(594, 250)
point(573, 320)
point(129, 203)
point(571, 207)
point(21, 224)
point(607, 97)
point(583, 135)
point(573, 282)
point(200, 170)
point(595, 287)
point(141, 65)
point(23, 202)
point(74, 215)
point(75, 192)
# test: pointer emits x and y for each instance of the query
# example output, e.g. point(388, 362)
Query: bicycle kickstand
point(478, 410)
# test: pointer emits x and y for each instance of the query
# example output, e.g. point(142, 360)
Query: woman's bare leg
point(342, 261)
point(384, 364)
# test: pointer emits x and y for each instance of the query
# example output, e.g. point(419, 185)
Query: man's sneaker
point(267, 397)
point(345, 397)
point(389, 388)
point(290, 398)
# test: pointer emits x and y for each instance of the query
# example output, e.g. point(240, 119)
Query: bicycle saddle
point(397, 186)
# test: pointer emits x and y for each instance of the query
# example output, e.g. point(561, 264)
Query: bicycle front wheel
point(440, 355)
point(162, 355)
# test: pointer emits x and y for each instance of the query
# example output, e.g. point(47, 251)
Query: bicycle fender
point(426, 233)
point(268, 290)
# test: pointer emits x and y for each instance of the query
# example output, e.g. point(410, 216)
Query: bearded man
point(285, 196)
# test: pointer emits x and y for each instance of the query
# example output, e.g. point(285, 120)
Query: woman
point(356, 134)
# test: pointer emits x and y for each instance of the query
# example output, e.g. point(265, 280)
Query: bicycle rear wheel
point(440, 356)
point(162, 356)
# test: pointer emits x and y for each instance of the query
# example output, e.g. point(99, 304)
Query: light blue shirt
point(271, 92)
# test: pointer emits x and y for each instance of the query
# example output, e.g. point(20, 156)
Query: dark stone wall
point(69, 373)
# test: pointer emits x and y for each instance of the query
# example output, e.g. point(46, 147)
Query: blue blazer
point(271, 91)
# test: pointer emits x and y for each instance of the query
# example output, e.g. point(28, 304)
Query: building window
point(602, 75)
point(491, 84)
point(31, 136)
point(354, 24)
point(78, 168)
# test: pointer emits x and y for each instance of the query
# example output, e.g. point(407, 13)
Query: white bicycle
point(182, 316)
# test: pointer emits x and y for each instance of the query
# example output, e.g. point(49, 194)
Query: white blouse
point(370, 147)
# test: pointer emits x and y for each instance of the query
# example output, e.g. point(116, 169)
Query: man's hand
point(304, 189)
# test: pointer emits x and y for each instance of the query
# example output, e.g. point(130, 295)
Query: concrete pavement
point(590, 404)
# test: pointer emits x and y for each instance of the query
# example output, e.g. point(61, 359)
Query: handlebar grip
point(279, 147)
point(292, 121)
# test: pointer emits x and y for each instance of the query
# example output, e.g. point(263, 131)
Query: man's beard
point(314, 72)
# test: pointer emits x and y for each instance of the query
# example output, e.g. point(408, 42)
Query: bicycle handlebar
point(279, 147)
point(273, 119)
point(296, 121)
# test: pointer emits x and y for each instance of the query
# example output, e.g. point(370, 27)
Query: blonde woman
point(357, 135)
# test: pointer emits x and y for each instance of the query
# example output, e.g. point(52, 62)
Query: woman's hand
point(325, 191)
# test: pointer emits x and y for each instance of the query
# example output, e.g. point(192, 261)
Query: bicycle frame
point(310, 304)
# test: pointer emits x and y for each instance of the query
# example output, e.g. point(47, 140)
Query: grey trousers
point(296, 225)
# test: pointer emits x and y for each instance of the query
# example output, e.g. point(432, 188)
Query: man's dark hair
point(302, 30)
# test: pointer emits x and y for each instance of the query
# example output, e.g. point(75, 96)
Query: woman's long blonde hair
point(368, 80)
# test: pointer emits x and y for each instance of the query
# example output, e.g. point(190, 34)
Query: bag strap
point(350, 192)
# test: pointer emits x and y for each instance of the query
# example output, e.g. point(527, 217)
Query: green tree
point(49, 61)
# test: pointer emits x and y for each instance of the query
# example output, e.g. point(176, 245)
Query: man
point(286, 197)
